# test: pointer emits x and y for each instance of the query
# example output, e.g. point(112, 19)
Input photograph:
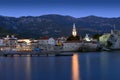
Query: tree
point(96, 36)
point(72, 38)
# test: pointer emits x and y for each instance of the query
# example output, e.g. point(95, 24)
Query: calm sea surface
point(80, 66)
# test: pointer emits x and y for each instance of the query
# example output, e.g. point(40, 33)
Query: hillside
point(55, 25)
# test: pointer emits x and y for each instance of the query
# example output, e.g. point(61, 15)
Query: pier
point(44, 53)
point(11, 54)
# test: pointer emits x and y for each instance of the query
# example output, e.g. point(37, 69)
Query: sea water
point(81, 66)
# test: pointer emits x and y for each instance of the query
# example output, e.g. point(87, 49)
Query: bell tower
point(74, 32)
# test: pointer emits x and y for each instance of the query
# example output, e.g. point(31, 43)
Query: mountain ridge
point(55, 25)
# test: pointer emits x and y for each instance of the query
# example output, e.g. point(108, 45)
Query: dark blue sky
point(76, 8)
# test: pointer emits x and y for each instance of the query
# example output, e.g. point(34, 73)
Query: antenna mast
point(114, 27)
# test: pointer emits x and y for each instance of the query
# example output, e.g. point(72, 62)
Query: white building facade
point(10, 41)
point(2, 42)
point(111, 40)
point(51, 41)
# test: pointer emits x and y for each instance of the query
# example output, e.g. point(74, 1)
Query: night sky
point(75, 8)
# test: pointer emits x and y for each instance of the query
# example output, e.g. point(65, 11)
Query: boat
point(105, 49)
point(63, 54)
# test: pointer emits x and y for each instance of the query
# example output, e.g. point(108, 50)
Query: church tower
point(74, 32)
point(74, 36)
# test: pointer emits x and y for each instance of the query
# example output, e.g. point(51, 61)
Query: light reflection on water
point(26, 71)
point(104, 65)
point(75, 67)
point(80, 66)
point(28, 68)
point(88, 66)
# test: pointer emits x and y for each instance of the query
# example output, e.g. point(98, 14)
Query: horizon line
point(57, 14)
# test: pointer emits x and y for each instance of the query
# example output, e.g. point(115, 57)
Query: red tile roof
point(44, 38)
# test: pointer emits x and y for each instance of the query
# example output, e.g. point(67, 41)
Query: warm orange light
point(75, 67)
point(28, 68)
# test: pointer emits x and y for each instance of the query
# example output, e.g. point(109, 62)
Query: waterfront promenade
point(33, 53)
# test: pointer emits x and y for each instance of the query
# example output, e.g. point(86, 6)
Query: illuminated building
point(111, 40)
point(87, 38)
point(10, 41)
point(74, 32)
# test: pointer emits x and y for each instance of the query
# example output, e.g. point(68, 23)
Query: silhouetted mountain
point(55, 25)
